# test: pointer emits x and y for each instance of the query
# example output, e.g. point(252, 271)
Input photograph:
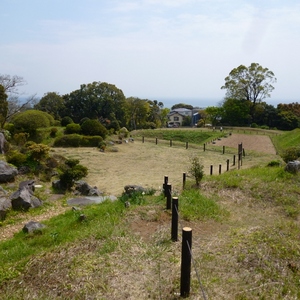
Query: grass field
point(245, 227)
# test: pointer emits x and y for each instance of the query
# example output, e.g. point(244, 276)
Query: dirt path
point(259, 143)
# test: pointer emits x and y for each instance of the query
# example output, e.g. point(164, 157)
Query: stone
point(27, 184)
point(293, 166)
point(32, 226)
point(82, 188)
point(7, 172)
point(131, 188)
point(5, 205)
point(23, 200)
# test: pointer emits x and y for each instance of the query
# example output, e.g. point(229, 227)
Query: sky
point(174, 51)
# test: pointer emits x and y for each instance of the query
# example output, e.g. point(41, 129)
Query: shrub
point(70, 172)
point(91, 141)
point(93, 127)
point(38, 152)
point(73, 128)
point(66, 120)
point(9, 127)
point(53, 132)
point(21, 138)
point(123, 133)
point(290, 154)
point(30, 120)
point(16, 158)
point(71, 140)
point(196, 169)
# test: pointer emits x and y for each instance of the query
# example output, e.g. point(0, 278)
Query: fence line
point(185, 282)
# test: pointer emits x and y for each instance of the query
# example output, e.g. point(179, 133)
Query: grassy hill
point(245, 240)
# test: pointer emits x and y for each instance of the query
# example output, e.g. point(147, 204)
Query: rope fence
point(186, 246)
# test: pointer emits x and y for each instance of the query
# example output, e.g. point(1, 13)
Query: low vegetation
point(245, 241)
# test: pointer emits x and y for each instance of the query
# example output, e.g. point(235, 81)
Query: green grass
point(287, 140)
point(196, 136)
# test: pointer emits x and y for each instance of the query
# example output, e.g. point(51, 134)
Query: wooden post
point(183, 180)
point(220, 168)
point(186, 145)
point(174, 228)
point(223, 149)
point(170, 143)
point(143, 139)
point(227, 164)
point(233, 160)
point(156, 141)
point(211, 169)
point(204, 147)
point(169, 196)
point(165, 185)
point(186, 258)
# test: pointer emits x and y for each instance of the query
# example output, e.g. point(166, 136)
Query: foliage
point(16, 158)
point(53, 132)
point(38, 152)
point(52, 103)
point(73, 128)
point(182, 105)
point(196, 169)
point(138, 111)
point(96, 100)
point(29, 121)
point(187, 120)
point(70, 172)
point(21, 138)
point(251, 84)
point(93, 127)
point(66, 120)
point(290, 154)
point(286, 140)
point(3, 106)
point(76, 140)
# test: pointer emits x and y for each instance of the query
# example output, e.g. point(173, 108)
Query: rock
point(5, 205)
point(23, 200)
point(29, 185)
point(129, 189)
point(293, 166)
point(7, 172)
point(56, 184)
point(32, 226)
point(85, 189)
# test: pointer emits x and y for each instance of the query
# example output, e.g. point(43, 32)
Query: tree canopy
point(253, 84)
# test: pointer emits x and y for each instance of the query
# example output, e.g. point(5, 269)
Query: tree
point(214, 113)
point(138, 110)
point(251, 84)
point(15, 106)
point(96, 100)
point(52, 103)
point(182, 105)
point(3, 106)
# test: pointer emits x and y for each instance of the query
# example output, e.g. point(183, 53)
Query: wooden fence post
point(174, 228)
point(223, 149)
point(220, 168)
point(170, 143)
point(183, 180)
point(186, 258)
point(165, 185)
point(143, 139)
point(156, 141)
point(211, 169)
point(186, 145)
point(233, 160)
point(227, 164)
point(204, 147)
point(169, 196)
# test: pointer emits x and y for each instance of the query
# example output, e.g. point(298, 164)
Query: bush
point(290, 154)
point(73, 128)
point(123, 133)
point(76, 140)
point(93, 127)
point(30, 120)
point(70, 172)
point(72, 140)
point(53, 132)
point(196, 169)
point(66, 120)
point(16, 158)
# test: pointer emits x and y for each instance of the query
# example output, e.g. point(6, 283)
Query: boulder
point(27, 184)
point(82, 188)
point(22, 199)
point(5, 205)
point(293, 166)
point(131, 188)
point(7, 172)
point(32, 226)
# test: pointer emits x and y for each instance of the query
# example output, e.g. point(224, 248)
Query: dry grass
point(139, 261)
